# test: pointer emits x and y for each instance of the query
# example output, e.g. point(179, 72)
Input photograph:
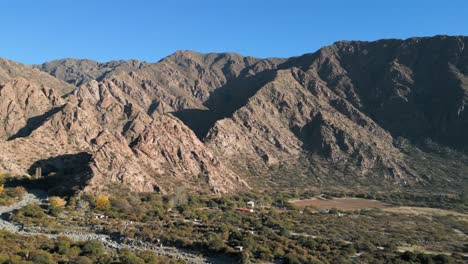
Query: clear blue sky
point(34, 31)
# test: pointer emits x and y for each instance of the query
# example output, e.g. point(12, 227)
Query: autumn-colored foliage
point(1, 188)
point(102, 202)
point(57, 201)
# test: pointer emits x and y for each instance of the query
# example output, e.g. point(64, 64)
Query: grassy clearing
point(345, 204)
point(425, 211)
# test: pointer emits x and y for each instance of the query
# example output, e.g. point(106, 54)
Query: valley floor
point(249, 227)
point(76, 233)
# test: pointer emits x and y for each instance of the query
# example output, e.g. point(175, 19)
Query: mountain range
point(387, 114)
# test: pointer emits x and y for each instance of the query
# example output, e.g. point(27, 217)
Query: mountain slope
point(78, 72)
point(355, 114)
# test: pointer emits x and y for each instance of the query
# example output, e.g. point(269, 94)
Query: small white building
point(251, 203)
point(239, 248)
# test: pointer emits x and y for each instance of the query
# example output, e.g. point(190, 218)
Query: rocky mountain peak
point(225, 123)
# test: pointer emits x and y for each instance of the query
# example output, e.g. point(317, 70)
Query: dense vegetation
point(19, 249)
point(9, 195)
point(275, 230)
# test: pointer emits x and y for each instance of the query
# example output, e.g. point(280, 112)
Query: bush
point(102, 202)
point(63, 245)
point(291, 259)
point(93, 248)
point(82, 260)
point(56, 201)
point(215, 242)
point(33, 211)
point(127, 257)
point(56, 206)
point(42, 257)
point(20, 192)
point(122, 205)
point(74, 251)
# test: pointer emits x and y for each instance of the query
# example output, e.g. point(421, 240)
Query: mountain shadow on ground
point(61, 175)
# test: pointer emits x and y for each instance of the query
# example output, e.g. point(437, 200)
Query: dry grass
point(416, 249)
point(346, 204)
point(425, 211)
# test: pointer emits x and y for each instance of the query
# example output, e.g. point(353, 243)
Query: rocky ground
point(37, 196)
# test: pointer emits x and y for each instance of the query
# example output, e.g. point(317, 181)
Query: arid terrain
point(339, 203)
point(355, 153)
point(388, 114)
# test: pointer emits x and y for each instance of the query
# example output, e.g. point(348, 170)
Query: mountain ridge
point(229, 122)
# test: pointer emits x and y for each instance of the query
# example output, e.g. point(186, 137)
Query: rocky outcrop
point(223, 122)
point(28, 96)
point(24, 106)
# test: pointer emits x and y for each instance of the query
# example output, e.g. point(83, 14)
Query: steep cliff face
point(291, 117)
point(413, 88)
point(103, 128)
point(223, 122)
point(27, 97)
point(25, 105)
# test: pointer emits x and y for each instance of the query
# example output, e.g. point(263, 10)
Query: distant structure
point(239, 248)
point(38, 173)
point(251, 204)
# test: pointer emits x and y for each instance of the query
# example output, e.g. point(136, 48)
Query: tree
point(102, 202)
point(248, 242)
point(33, 211)
point(63, 245)
point(409, 256)
point(215, 242)
point(2, 188)
point(82, 260)
point(93, 248)
point(180, 196)
point(20, 191)
point(122, 205)
point(42, 257)
point(291, 259)
point(2, 177)
point(127, 257)
point(56, 206)
point(56, 201)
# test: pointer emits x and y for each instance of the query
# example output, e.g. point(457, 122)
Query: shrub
point(42, 257)
point(74, 251)
point(82, 260)
point(291, 259)
point(56, 201)
point(93, 248)
point(102, 202)
point(127, 257)
point(215, 242)
point(56, 206)
point(20, 191)
point(63, 245)
point(33, 211)
point(122, 205)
